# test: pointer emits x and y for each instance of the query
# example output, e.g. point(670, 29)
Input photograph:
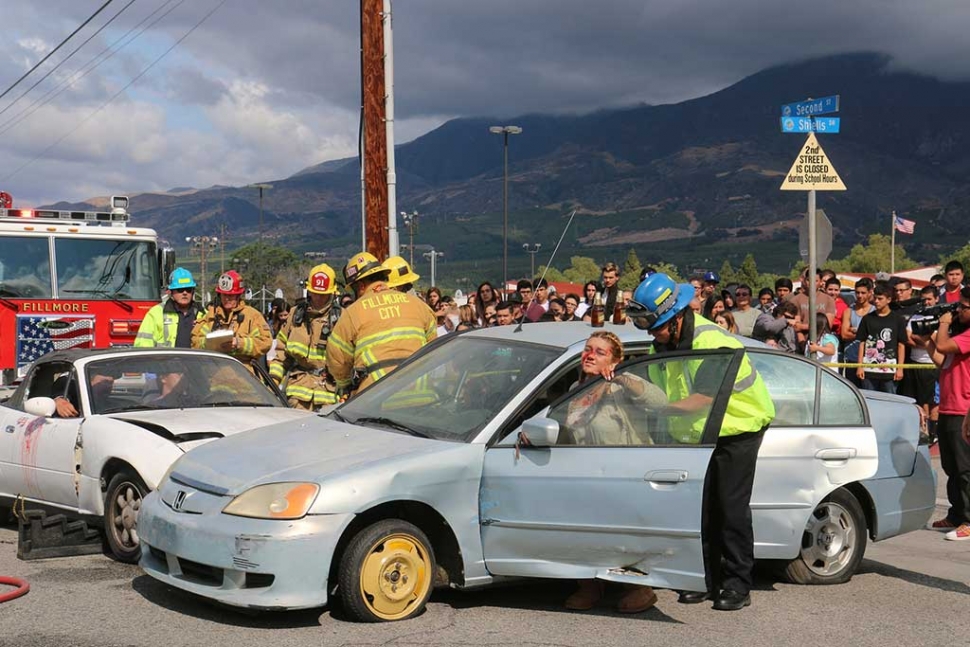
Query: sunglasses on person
point(742, 293)
point(183, 290)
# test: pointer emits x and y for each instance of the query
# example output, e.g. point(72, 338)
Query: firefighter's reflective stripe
point(160, 326)
point(380, 327)
point(304, 351)
point(252, 333)
point(749, 407)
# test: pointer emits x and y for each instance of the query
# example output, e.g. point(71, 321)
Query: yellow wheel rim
point(395, 576)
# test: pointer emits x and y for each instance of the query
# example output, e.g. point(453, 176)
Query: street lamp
point(532, 253)
point(203, 244)
point(411, 222)
point(505, 131)
point(434, 256)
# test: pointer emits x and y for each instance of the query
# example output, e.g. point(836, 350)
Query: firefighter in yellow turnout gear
point(251, 334)
point(301, 345)
point(378, 331)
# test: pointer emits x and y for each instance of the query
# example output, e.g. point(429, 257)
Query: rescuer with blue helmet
point(661, 306)
point(169, 324)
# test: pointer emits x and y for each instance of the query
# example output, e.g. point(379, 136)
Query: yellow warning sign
point(812, 170)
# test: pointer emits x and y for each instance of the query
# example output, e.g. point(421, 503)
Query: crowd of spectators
point(871, 326)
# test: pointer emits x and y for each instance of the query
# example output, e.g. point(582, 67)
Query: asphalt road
point(912, 590)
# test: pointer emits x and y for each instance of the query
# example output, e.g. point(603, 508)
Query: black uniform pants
point(726, 529)
point(955, 460)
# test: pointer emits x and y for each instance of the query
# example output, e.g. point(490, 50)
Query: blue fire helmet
point(711, 277)
point(658, 300)
point(181, 278)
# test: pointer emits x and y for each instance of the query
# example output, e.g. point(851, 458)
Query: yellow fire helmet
point(400, 272)
point(360, 266)
point(322, 280)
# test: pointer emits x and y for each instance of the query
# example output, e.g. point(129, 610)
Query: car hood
point(311, 450)
point(190, 425)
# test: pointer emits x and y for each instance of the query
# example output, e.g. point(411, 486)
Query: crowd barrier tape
point(893, 366)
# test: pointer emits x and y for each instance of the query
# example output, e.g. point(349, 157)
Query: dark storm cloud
point(509, 57)
point(223, 106)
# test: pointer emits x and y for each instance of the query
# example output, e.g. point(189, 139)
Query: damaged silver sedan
point(462, 467)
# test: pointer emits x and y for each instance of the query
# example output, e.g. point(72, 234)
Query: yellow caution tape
point(892, 366)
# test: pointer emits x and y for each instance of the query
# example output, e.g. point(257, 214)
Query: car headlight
point(274, 501)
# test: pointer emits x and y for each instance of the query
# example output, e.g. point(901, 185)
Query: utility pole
point(203, 244)
point(373, 87)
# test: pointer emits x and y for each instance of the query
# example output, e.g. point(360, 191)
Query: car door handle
point(666, 476)
point(836, 453)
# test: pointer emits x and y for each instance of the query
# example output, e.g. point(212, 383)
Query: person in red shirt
point(950, 349)
point(954, 282)
point(833, 288)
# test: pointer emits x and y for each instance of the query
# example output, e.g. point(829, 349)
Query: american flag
point(40, 335)
point(904, 226)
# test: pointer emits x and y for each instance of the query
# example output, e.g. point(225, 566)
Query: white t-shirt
point(918, 355)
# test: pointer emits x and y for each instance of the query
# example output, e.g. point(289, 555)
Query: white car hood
point(185, 426)
point(311, 450)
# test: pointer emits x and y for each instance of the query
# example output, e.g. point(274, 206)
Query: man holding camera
point(951, 351)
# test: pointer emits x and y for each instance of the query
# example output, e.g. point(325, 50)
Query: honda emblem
point(179, 501)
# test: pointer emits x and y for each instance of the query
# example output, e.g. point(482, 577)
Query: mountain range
point(691, 183)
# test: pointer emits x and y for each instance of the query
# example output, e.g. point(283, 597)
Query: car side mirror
point(44, 407)
point(539, 432)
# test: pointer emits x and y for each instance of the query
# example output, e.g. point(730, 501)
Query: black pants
point(727, 530)
point(955, 459)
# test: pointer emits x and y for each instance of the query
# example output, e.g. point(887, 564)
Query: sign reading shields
point(812, 170)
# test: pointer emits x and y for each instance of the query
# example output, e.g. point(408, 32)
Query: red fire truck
point(73, 279)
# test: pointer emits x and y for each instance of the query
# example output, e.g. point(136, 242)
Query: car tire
point(122, 501)
point(833, 542)
point(386, 573)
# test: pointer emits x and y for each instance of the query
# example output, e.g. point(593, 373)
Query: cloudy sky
point(261, 89)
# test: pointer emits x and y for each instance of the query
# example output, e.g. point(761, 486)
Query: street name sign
point(827, 125)
point(823, 106)
point(812, 170)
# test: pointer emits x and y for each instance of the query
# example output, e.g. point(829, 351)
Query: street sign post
point(812, 171)
point(823, 106)
point(826, 125)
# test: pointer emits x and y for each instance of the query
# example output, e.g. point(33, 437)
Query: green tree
point(669, 270)
point(873, 257)
point(727, 273)
point(962, 255)
point(630, 276)
point(748, 273)
point(551, 274)
point(259, 264)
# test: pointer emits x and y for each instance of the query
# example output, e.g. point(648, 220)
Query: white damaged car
point(138, 410)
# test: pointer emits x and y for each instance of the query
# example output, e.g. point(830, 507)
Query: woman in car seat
point(597, 417)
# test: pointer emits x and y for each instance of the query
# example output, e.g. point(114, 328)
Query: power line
point(116, 94)
point(57, 90)
point(51, 53)
point(67, 58)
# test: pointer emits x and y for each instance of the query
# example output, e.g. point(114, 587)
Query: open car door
point(612, 485)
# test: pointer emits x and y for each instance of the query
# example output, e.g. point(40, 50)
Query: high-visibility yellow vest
point(749, 407)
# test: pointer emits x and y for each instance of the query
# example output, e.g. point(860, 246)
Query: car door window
point(791, 385)
point(659, 401)
point(841, 405)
